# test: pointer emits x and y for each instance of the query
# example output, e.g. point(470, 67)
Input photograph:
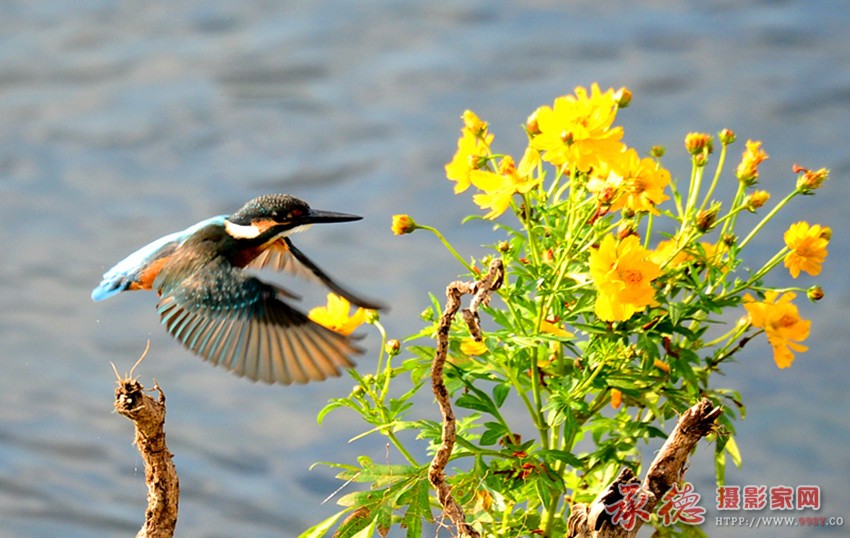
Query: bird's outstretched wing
point(282, 255)
point(128, 271)
point(235, 320)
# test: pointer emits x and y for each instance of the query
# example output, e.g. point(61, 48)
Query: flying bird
point(228, 316)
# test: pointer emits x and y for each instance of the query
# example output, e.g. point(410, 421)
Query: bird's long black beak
point(317, 216)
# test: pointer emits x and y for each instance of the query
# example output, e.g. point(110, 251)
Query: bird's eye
point(295, 213)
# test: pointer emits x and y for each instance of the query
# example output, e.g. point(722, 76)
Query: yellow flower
point(623, 275)
point(500, 188)
point(714, 254)
point(781, 322)
point(664, 252)
point(642, 183)
point(473, 150)
point(403, 224)
point(577, 130)
point(472, 348)
point(808, 248)
point(753, 156)
point(335, 316)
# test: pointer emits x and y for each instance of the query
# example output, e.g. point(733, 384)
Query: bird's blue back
point(124, 272)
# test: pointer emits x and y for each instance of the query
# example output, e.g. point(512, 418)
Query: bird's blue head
point(276, 215)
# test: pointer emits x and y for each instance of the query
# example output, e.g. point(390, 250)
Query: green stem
point(714, 181)
point(407, 455)
point(543, 427)
point(648, 232)
point(446, 244)
point(527, 223)
point(382, 411)
point(766, 268)
point(735, 209)
point(380, 367)
point(767, 218)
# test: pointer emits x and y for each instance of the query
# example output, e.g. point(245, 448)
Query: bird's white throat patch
point(250, 231)
point(241, 231)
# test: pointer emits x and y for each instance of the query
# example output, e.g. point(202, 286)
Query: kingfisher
point(227, 315)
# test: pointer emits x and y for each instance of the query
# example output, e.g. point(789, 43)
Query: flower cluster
point(618, 281)
point(596, 172)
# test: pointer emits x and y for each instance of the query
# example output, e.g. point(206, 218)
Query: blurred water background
point(123, 121)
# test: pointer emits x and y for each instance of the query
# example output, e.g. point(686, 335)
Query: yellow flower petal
point(808, 248)
point(335, 315)
point(622, 273)
point(556, 330)
point(577, 130)
point(781, 323)
point(472, 348)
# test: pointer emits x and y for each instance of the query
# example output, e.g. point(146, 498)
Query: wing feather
point(282, 255)
point(234, 320)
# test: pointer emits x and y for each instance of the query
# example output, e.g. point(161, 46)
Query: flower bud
point(503, 246)
point(747, 171)
point(372, 316)
point(756, 200)
point(657, 151)
point(427, 314)
point(661, 365)
point(815, 293)
point(810, 179)
point(474, 124)
point(507, 167)
point(531, 125)
point(625, 230)
point(393, 347)
point(697, 143)
point(729, 239)
point(726, 136)
point(403, 224)
point(707, 218)
point(700, 160)
point(616, 398)
point(825, 233)
point(623, 97)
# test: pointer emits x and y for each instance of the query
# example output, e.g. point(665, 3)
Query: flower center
point(787, 320)
point(631, 277)
point(635, 186)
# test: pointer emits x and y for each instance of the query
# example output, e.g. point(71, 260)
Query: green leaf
point(317, 531)
point(493, 432)
point(472, 401)
point(732, 448)
point(361, 524)
point(500, 393)
point(562, 455)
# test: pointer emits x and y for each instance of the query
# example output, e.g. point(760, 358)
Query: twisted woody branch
point(480, 292)
point(591, 521)
point(148, 417)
